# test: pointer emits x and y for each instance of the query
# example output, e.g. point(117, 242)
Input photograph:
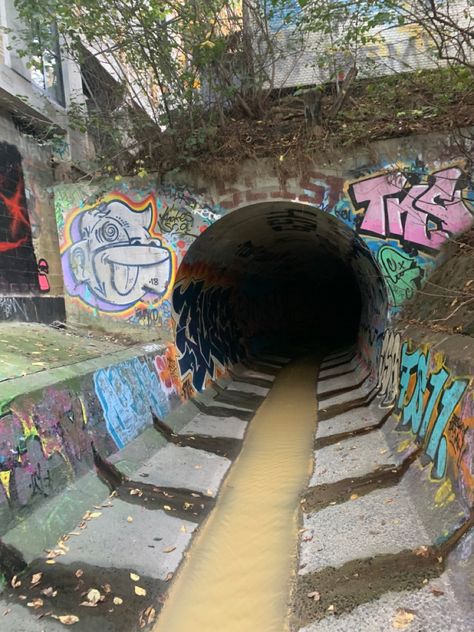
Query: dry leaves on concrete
point(36, 578)
point(403, 618)
point(315, 596)
point(141, 592)
point(147, 617)
point(35, 603)
point(422, 551)
point(66, 619)
point(437, 592)
point(15, 583)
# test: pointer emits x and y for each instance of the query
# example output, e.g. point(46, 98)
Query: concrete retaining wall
point(427, 378)
point(46, 434)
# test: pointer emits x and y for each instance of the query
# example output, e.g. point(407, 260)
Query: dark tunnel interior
point(281, 278)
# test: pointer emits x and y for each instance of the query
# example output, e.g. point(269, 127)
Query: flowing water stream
point(237, 575)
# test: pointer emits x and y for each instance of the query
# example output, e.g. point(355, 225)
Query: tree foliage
point(179, 72)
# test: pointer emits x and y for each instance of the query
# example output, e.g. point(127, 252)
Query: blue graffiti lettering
point(127, 393)
point(205, 336)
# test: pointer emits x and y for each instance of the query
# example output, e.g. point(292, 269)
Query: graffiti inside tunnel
point(206, 336)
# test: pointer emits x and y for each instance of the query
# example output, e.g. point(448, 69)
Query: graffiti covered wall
point(46, 437)
point(434, 405)
point(120, 253)
point(207, 340)
point(122, 244)
point(31, 287)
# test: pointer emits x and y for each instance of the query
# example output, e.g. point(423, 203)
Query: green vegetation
point(195, 82)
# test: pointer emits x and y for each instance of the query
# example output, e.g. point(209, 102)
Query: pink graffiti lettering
point(421, 214)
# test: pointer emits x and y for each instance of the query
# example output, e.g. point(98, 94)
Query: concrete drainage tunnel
point(280, 278)
point(268, 280)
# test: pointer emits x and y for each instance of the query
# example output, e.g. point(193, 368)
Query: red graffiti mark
point(15, 206)
point(10, 245)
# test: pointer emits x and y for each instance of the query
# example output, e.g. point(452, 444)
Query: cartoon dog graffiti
point(116, 256)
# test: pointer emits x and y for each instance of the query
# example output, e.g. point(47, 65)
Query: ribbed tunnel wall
point(275, 277)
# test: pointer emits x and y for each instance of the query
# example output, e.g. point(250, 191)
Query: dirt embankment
point(446, 302)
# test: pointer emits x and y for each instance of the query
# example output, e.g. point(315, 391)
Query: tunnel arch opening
point(275, 277)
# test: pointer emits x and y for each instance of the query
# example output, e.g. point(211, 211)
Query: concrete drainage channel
point(127, 548)
point(374, 554)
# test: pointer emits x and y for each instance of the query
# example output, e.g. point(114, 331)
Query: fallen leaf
point(141, 592)
point(50, 561)
point(94, 596)
point(422, 551)
point(331, 608)
point(129, 519)
point(147, 616)
point(183, 529)
point(15, 583)
point(36, 603)
point(167, 507)
point(107, 588)
point(209, 492)
point(118, 601)
point(79, 572)
point(314, 595)
point(437, 592)
point(36, 578)
point(49, 592)
point(136, 492)
point(354, 496)
point(169, 549)
point(194, 495)
point(7, 611)
point(134, 577)
point(402, 619)
point(88, 604)
point(55, 553)
point(68, 619)
point(96, 514)
point(168, 577)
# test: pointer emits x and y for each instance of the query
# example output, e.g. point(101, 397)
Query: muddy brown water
point(238, 572)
